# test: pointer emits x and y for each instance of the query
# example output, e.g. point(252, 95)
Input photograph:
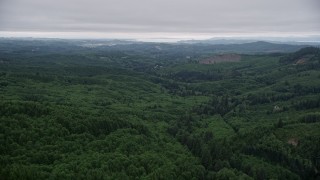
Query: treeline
point(218, 105)
point(293, 57)
point(192, 76)
point(42, 141)
point(236, 155)
point(213, 153)
point(310, 118)
point(33, 109)
point(271, 149)
point(307, 104)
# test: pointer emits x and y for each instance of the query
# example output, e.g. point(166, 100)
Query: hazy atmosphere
point(159, 18)
point(160, 89)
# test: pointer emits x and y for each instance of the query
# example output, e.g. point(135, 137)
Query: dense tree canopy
point(137, 112)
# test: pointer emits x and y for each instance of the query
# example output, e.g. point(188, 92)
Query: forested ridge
point(152, 111)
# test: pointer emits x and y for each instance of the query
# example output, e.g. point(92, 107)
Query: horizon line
point(155, 36)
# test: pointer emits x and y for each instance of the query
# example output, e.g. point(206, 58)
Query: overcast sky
point(160, 18)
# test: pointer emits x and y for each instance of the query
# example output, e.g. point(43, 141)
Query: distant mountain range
point(190, 48)
point(314, 40)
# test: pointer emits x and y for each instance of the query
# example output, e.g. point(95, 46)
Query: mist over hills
point(189, 47)
point(307, 40)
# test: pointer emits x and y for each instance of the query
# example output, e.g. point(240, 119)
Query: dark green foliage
point(190, 76)
point(32, 109)
point(132, 111)
point(308, 51)
point(310, 118)
point(307, 104)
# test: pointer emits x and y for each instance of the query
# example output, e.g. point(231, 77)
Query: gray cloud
point(156, 16)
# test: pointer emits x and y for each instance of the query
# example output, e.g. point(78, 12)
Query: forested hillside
point(153, 111)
